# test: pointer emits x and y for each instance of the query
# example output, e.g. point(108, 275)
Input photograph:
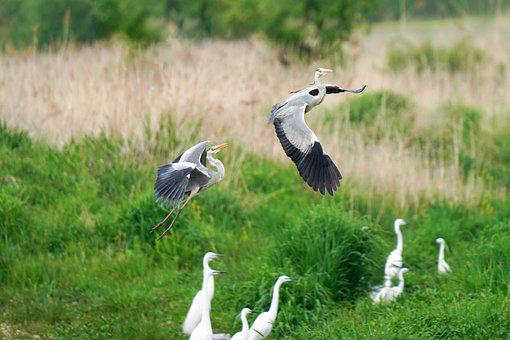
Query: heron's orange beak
point(219, 147)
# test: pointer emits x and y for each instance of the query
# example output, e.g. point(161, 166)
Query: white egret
point(263, 324)
point(203, 331)
point(442, 266)
point(394, 261)
point(195, 311)
point(299, 142)
point(387, 294)
point(187, 175)
point(243, 334)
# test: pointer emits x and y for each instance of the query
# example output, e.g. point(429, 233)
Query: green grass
point(76, 258)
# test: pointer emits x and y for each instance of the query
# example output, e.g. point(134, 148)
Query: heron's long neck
point(273, 310)
point(400, 239)
point(205, 276)
point(441, 252)
point(220, 169)
point(244, 320)
point(317, 81)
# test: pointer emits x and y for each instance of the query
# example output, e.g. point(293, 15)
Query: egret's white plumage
point(299, 142)
point(387, 293)
point(442, 266)
point(203, 331)
point(394, 261)
point(243, 334)
point(195, 311)
point(263, 324)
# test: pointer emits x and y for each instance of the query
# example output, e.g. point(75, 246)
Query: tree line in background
point(300, 25)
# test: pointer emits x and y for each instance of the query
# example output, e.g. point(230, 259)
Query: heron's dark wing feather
point(172, 181)
point(302, 146)
point(336, 89)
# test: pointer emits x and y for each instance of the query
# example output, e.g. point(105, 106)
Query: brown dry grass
point(232, 85)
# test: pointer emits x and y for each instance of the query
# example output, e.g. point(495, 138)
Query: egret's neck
point(441, 251)
point(206, 307)
point(400, 239)
point(220, 169)
point(273, 310)
point(244, 320)
point(205, 276)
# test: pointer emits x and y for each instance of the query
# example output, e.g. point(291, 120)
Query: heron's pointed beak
point(293, 278)
point(327, 70)
point(219, 147)
point(217, 272)
point(217, 256)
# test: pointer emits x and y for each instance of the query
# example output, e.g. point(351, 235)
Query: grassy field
point(81, 142)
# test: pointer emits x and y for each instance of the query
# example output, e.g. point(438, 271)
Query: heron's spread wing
point(337, 89)
point(172, 181)
point(303, 147)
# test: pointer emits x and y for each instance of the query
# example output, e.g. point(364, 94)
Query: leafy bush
point(461, 57)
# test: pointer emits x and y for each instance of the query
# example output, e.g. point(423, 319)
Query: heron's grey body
point(187, 175)
point(299, 142)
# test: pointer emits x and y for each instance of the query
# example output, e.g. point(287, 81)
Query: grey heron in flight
point(187, 175)
point(299, 142)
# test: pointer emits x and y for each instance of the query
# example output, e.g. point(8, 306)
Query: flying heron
point(299, 142)
point(187, 175)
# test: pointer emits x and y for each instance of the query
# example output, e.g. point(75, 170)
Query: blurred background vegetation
point(307, 27)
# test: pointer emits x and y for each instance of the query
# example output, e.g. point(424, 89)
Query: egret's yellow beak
point(327, 70)
point(219, 147)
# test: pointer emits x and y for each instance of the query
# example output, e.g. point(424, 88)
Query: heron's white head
point(322, 71)
point(440, 240)
point(285, 278)
point(216, 148)
point(210, 256)
point(399, 222)
point(246, 311)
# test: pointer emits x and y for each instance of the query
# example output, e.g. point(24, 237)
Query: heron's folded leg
point(162, 222)
point(175, 219)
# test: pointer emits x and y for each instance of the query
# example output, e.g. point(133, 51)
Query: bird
point(195, 311)
point(263, 324)
point(243, 334)
point(394, 261)
point(388, 293)
point(203, 331)
point(187, 175)
point(442, 266)
point(299, 142)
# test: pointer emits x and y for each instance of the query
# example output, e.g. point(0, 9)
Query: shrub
point(461, 57)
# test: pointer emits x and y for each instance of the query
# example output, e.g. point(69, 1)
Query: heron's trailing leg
point(175, 219)
point(162, 222)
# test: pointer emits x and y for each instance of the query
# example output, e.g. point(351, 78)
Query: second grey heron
point(299, 142)
point(187, 175)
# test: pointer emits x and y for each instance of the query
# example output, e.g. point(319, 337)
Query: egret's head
point(322, 71)
point(210, 256)
point(246, 311)
point(285, 278)
point(217, 148)
point(440, 240)
point(399, 222)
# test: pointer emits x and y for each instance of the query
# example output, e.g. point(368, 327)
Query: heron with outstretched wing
point(299, 142)
point(185, 177)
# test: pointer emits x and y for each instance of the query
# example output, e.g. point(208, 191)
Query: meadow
point(84, 129)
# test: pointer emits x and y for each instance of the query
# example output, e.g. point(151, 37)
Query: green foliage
point(40, 23)
point(76, 258)
point(461, 57)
